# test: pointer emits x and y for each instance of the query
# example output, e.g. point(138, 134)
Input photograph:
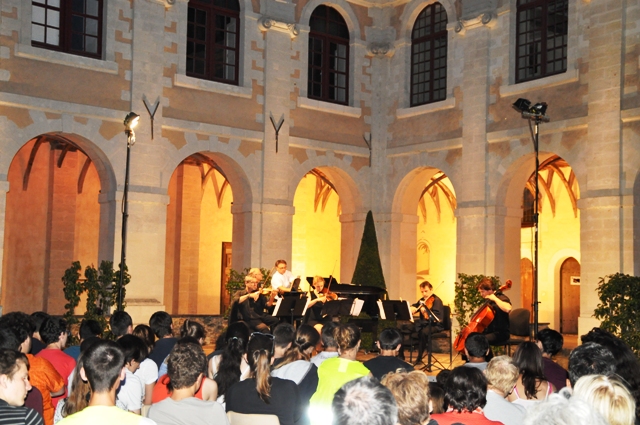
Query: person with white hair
point(364, 401)
point(502, 375)
point(609, 396)
point(557, 409)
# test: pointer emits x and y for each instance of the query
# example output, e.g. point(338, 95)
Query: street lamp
point(130, 122)
point(536, 114)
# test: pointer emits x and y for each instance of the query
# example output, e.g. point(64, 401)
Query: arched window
point(328, 56)
point(429, 56)
point(68, 26)
point(213, 39)
point(541, 45)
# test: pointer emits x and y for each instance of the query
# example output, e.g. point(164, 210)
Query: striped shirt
point(18, 415)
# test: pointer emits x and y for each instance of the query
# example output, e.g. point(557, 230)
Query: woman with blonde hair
point(609, 396)
point(411, 391)
point(261, 393)
point(334, 372)
point(317, 297)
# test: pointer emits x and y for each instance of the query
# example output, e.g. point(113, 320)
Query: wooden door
point(569, 296)
point(526, 283)
point(225, 297)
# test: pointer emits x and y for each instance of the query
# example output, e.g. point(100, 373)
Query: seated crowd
point(299, 375)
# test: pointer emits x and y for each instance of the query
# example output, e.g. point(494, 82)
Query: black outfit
point(381, 365)
point(284, 401)
point(497, 332)
point(18, 415)
point(161, 350)
point(36, 346)
point(252, 312)
point(421, 324)
point(315, 313)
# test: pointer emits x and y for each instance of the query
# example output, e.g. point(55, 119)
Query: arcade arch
point(59, 209)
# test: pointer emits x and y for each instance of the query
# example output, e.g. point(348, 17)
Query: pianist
point(282, 279)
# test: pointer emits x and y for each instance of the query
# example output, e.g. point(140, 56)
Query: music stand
point(431, 360)
point(395, 310)
point(290, 305)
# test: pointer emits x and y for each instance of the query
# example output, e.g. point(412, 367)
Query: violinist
point(252, 304)
point(497, 332)
point(317, 299)
point(427, 307)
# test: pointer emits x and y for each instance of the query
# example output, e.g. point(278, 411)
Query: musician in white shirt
point(282, 279)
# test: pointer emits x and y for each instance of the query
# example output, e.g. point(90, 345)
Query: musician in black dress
point(497, 332)
point(317, 299)
point(251, 305)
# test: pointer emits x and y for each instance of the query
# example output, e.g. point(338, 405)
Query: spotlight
point(522, 105)
point(539, 108)
point(130, 121)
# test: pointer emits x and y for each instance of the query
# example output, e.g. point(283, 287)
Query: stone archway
point(59, 209)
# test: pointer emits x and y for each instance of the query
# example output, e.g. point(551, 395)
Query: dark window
point(528, 209)
point(541, 47)
point(429, 56)
point(71, 26)
point(213, 39)
point(328, 56)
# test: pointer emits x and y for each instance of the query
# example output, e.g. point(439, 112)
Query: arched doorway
point(198, 238)
point(53, 217)
point(316, 228)
point(569, 296)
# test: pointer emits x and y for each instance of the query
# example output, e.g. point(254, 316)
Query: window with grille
point(429, 56)
point(541, 46)
point(528, 209)
point(213, 39)
point(328, 56)
point(70, 26)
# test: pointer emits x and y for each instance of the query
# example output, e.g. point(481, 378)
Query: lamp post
point(535, 114)
point(130, 121)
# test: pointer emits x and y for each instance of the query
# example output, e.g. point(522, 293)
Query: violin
point(479, 321)
point(330, 296)
point(429, 304)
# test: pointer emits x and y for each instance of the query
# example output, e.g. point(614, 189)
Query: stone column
point(351, 229)
point(275, 232)
point(4, 188)
point(603, 231)
point(400, 230)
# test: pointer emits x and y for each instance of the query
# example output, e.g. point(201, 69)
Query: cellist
point(497, 332)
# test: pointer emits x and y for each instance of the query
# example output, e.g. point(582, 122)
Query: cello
point(479, 321)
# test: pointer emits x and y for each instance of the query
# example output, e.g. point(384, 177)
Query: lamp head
point(522, 105)
point(539, 108)
point(130, 121)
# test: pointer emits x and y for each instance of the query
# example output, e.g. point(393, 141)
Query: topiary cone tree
point(368, 267)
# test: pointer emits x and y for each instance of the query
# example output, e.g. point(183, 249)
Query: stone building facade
point(63, 143)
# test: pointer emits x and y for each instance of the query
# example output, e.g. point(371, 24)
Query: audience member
point(162, 327)
point(208, 390)
point(389, 343)
point(130, 395)
point(532, 386)
point(412, 395)
point(36, 345)
point(502, 375)
point(54, 334)
point(476, 348)
point(79, 393)
point(284, 335)
point(550, 343)
point(43, 376)
point(333, 373)
point(608, 396)
point(185, 367)
point(442, 376)
point(88, 328)
point(329, 346)
point(295, 366)
point(193, 329)
point(558, 410)
point(103, 367)
point(590, 359)
point(14, 385)
point(262, 393)
point(436, 396)
point(231, 366)
point(121, 323)
point(364, 401)
point(466, 393)
point(626, 362)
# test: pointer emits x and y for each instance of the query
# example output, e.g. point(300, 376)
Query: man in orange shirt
point(54, 333)
point(42, 374)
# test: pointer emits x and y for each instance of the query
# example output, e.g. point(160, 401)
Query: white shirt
point(147, 373)
point(130, 393)
point(284, 280)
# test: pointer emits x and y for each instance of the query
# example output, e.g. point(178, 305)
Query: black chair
point(446, 333)
point(412, 339)
point(518, 327)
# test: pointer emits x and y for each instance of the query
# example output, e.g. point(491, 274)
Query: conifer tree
point(368, 267)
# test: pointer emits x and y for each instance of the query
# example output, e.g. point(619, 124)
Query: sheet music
point(409, 308)
point(305, 307)
point(277, 307)
point(383, 316)
point(356, 307)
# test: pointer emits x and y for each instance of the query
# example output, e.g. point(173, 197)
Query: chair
point(246, 419)
point(413, 338)
point(518, 327)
